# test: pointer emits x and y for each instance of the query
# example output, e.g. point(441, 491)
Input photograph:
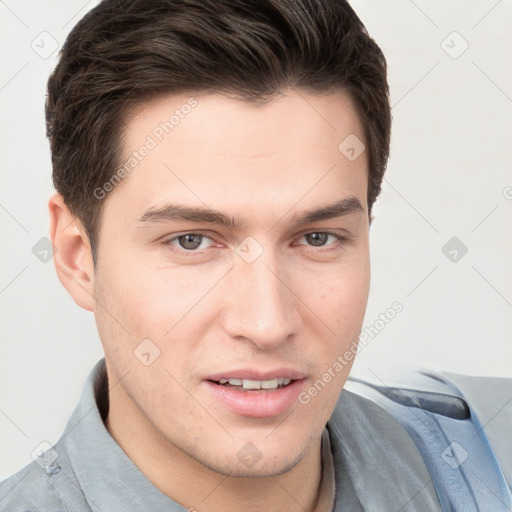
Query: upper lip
point(252, 374)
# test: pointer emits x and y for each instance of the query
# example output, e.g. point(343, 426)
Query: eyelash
point(194, 252)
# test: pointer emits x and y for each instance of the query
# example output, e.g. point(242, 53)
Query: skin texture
point(297, 305)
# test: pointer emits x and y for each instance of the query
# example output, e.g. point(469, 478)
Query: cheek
point(146, 300)
point(353, 298)
point(342, 301)
point(125, 312)
point(341, 307)
point(164, 306)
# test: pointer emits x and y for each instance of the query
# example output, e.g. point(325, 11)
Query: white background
point(449, 176)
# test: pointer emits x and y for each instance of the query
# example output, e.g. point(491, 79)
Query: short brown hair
point(125, 51)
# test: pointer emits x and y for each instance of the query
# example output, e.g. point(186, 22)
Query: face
point(192, 308)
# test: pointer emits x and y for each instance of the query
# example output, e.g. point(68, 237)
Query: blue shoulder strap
point(450, 438)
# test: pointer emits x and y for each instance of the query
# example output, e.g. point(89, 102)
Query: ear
point(73, 257)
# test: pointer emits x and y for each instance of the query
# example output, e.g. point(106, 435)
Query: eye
point(320, 238)
point(188, 242)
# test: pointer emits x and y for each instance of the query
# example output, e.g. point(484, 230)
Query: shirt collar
point(107, 477)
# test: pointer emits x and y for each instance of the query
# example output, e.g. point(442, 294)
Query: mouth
point(255, 385)
point(256, 395)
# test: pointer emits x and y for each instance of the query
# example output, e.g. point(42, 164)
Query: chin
point(250, 463)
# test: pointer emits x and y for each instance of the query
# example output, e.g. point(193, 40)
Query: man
point(216, 164)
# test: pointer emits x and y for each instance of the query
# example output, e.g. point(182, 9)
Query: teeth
point(251, 384)
point(257, 384)
point(269, 384)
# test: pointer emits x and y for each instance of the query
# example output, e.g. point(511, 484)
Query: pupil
point(194, 240)
point(317, 237)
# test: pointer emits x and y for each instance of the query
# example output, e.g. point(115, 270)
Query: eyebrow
point(177, 212)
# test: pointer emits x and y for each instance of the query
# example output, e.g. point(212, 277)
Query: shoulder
point(491, 399)
point(375, 459)
point(448, 397)
point(42, 485)
point(490, 396)
point(21, 491)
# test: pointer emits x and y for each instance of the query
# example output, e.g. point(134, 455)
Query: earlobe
point(73, 257)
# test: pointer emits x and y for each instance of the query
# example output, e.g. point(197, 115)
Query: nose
point(261, 305)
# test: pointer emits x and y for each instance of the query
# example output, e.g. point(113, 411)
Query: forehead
point(211, 150)
point(298, 117)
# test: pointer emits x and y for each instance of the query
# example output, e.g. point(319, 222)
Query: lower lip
point(257, 404)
